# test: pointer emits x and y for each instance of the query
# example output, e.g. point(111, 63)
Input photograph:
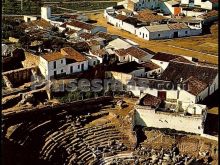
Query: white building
point(171, 7)
point(181, 81)
point(148, 116)
point(133, 54)
point(100, 54)
point(28, 18)
point(201, 3)
point(67, 61)
point(200, 81)
point(164, 31)
point(163, 59)
point(124, 72)
point(46, 12)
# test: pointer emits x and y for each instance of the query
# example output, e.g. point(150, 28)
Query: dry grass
point(213, 110)
point(167, 45)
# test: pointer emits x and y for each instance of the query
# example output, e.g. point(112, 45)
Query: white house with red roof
point(67, 61)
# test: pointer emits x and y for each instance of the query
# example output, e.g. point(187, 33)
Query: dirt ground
point(204, 47)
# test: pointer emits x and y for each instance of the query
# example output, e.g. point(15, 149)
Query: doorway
point(175, 35)
point(55, 74)
point(82, 66)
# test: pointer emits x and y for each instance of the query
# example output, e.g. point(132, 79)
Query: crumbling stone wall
point(33, 97)
point(18, 77)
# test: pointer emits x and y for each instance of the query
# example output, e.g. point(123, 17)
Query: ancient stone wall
point(77, 107)
point(19, 76)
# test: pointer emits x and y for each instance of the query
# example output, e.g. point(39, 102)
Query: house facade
point(68, 61)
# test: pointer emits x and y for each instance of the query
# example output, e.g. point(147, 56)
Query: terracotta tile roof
point(146, 11)
point(81, 46)
point(150, 66)
point(176, 71)
point(209, 14)
point(150, 100)
point(100, 52)
point(121, 52)
point(70, 32)
point(164, 57)
point(86, 36)
point(182, 59)
point(133, 51)
point(127, 67)
point(121, 17)
point(81, 25)
point(93, 42)
point(71, 16)
point(104, 35)
point(42, 23)
point(53, 56)
point(177, 26)
point(72, 54)
point(195, 86)
point(136, 52)
point(146, 16)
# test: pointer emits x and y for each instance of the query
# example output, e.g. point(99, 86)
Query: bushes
point(78, 95)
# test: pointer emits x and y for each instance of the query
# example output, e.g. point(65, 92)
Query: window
point(146, 35)
point(158, 35)
point(78, 66)
point(186, 32)
point(82, 65)
point(94, 62)
point(61, 61)
point(54, 64)
point(61, 70)
point(140, 33)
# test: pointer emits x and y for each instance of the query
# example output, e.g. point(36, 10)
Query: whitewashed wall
point(192, 13)
point(206, 5)
point(185, 96)
point(149, 118)
point(162, 64)
point(184, 1)
point(43, 66)
point(77, 67)
point(32, 18)
point(213, 86)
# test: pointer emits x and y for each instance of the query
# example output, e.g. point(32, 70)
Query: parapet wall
point(150, 118)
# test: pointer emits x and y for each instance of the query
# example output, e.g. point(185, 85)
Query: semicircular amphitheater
point(98, 136)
